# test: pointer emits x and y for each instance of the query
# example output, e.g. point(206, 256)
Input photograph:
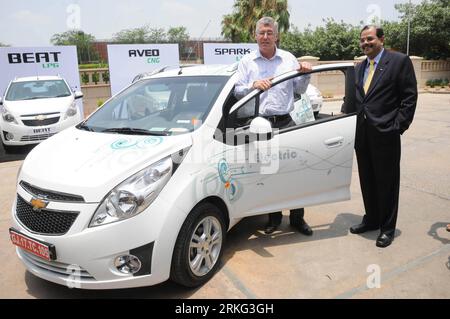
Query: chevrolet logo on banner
point(38, 204)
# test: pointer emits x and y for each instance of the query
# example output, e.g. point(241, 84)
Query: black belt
point(277, 118)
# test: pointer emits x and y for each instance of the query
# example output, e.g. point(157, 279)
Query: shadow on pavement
point(249, 234)
point(43, 289)
point(434, 233)
point(15, 153)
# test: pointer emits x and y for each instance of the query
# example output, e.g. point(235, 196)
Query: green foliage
point(105, 76)
point(83, 42)
point(92, 66)
point(334, 41)
point(429, 36)
point(85, 78)
point(95, 77)
point(177, 35)
point(430, 29)
point(147, 34)
point(445, 82)
point(239, 26)
point(100, 103)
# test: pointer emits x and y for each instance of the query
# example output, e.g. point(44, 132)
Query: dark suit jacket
point(390, 102)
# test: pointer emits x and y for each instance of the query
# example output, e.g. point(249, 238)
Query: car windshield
point(31, 90)
point(160, 106)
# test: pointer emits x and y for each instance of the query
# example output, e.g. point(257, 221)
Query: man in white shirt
point(255, 71)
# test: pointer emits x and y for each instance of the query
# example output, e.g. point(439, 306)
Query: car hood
point(91, 164)
point(39, 106)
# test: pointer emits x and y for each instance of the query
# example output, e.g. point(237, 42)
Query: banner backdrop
point(127, 61)
point(226, 53)
point(33, 61)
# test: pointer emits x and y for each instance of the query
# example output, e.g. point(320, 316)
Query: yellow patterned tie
point(370, 75)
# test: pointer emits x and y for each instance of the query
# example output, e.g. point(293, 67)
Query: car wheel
point(199, 246)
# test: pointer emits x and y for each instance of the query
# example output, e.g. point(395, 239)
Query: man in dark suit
point(386, 93)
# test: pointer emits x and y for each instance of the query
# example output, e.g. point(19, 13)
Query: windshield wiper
point(34, 98)
point(136, 131)
point(83, 126)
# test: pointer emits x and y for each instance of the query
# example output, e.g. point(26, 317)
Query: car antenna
point(198, 42)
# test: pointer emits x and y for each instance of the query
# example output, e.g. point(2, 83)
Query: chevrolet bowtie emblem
point(40, 117)
point(38, 204)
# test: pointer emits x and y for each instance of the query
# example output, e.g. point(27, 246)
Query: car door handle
point(334, 142)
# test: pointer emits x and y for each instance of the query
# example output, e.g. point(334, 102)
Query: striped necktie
point(370, 75)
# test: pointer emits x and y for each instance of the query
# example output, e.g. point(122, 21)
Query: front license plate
point(45, 130)
point(34, 246)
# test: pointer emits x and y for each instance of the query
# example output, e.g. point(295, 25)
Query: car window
point(31, 90)
point(170, 105)
point(317, 103)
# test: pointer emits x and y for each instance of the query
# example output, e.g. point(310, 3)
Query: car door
point(304, 165)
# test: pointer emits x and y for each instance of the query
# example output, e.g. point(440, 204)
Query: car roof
point(37, 78)
point(195, 70)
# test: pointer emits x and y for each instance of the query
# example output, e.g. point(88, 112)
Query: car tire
point(199, 246)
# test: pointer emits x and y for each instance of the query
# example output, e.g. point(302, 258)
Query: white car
point(146, 188)
point(35, 108)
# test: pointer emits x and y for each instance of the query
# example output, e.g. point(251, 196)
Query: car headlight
point(134, 195)
point(72, 110)
point(8, 117)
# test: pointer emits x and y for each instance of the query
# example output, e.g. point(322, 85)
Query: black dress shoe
point(270, 228)
point(303, 228)
point(361, 228)
point(384, 240)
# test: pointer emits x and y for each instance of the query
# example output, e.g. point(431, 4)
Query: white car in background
point(314, 100)
point(35, 108)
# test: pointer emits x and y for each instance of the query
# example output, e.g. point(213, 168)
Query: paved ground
point(332, 263)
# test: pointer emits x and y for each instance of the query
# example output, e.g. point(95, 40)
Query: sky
point(33, 22)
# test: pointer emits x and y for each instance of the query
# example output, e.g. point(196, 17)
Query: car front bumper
point(85, 256)
point(24, 135)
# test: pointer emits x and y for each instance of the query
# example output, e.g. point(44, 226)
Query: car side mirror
point(78, 95)
point(261, 127)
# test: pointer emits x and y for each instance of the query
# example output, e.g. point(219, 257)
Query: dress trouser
point(296, 215)
point(378, 156)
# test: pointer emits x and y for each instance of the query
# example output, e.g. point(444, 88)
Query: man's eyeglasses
point(268, 33)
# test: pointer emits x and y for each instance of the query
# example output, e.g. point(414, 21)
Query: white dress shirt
point(278, 100)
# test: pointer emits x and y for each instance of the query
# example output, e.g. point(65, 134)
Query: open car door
point(304, 165)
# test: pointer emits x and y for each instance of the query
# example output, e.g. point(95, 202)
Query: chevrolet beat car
point(35, 108)
point(146, 188)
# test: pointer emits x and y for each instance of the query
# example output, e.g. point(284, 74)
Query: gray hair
point(267, 21)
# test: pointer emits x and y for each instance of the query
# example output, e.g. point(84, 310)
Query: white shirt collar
point(259, 55)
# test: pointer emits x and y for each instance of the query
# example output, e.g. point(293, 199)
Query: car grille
point(50, 195)
point(31, 138)
point(55, 267)
point(45, 122)
point(46, 222)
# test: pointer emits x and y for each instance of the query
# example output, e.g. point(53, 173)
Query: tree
point(430, 29)
point(83, 41)
point(177, 35)
point(146, 34)
point(334, 41)
point(239, 26)
point(129, 36)
point(156, 35)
